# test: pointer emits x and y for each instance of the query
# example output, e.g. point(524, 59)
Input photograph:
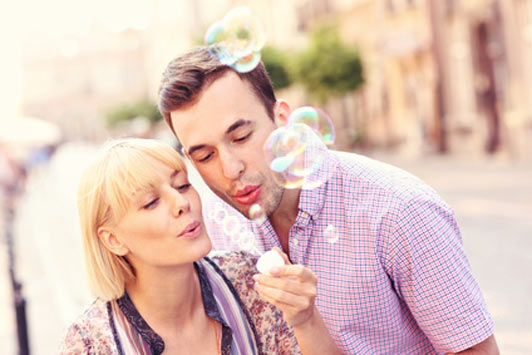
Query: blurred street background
point(440, 88)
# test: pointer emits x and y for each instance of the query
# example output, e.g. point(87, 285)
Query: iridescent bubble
point(216, 38)
point(316, 119)
point(282, 163)
point(231, 225)
point(330, 234)
point(248, 63)
point(257, 214)
point(237, 39)
point(220, 215)
point(247, 33)
point(247, 241)
point(295, 153)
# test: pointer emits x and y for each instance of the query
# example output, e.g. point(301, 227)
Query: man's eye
point(243, 138)
point(205, 158)
point(153, 203)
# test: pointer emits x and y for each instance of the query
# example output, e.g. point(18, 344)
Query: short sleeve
point(431, 273)
point(74, 342)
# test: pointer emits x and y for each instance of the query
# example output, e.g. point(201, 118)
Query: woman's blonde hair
point(123, 168)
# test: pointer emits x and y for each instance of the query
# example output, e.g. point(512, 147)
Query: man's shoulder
point(374, 178)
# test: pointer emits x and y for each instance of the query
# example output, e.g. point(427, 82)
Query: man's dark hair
point(186, 76)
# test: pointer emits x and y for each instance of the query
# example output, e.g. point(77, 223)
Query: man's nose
point(232, 165)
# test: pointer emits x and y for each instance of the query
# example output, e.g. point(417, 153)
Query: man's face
point(223, 134)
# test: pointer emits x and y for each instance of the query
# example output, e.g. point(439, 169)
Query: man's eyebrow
point(239, 123)
point(195, 147)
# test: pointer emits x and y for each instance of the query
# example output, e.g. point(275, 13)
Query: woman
point(145, 248)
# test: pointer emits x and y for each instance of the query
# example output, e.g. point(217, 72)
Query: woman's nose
point(179, 204)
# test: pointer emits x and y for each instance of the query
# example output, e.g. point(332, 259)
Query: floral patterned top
point(94, 332)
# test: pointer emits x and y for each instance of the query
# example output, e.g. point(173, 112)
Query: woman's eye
point(184, 187)
point(151, 204)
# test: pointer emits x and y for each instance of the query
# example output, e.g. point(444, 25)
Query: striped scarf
point(134, 336)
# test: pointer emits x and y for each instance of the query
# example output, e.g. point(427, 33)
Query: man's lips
point(248, 195)
point(191, 231)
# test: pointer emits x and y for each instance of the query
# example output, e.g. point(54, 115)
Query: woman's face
point(164, 226)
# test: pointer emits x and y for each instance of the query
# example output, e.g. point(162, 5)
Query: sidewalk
point(8, 334)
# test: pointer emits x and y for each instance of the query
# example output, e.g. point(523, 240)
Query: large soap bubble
point(295, 154)
point(316, 119)
point(236, 40)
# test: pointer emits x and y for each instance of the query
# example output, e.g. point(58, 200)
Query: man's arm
point(487, 347)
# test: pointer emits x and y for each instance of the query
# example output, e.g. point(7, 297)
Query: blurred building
point(446, 75)
point(72, 81)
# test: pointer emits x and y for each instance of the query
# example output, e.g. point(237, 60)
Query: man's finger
point(295, 287)
point(298, 271)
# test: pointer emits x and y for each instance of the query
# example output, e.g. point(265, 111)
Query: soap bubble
point(230, 225)
point(330, 234)
point(315, 119)
point(295, 153)
point(257, 214)
point(237, 39)
point(220, 215)
point(247, 241)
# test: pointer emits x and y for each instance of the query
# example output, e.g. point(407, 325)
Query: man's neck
point(285, 216)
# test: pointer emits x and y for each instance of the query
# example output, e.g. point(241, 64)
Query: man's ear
point(111, 241)
point(281, 112)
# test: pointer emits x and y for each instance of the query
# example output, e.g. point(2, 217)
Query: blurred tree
point(328, 67)
point(276, 63)
point(128, 111)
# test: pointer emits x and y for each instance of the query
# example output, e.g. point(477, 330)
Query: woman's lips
point(248, 195)
point(192, 230)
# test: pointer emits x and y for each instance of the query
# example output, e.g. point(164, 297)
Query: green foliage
point(125, 112)
point(276, 63)
point(329, 67)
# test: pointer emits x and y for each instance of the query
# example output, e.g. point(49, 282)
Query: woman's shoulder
point(234, 262)
point(90, 333)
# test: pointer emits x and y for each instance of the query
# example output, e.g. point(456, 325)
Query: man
point(397, 280)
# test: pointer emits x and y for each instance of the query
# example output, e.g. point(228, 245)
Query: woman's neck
point(167, 297)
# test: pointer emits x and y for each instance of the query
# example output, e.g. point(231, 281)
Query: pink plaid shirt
point(397, 280)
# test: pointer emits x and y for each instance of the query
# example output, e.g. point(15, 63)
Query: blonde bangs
point(130, 171)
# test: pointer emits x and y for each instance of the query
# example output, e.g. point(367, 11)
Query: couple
point(397, 280)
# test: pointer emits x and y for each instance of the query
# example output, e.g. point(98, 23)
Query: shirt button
point(295, 241)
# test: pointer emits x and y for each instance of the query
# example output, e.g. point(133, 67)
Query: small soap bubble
point(257, 214)
point(237, 39)
point(247, 241)
point(316, 119)
point(231, 225)
point(220, 215)
point(330, 234)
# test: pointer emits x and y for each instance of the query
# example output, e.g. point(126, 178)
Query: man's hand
point(292, 289)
